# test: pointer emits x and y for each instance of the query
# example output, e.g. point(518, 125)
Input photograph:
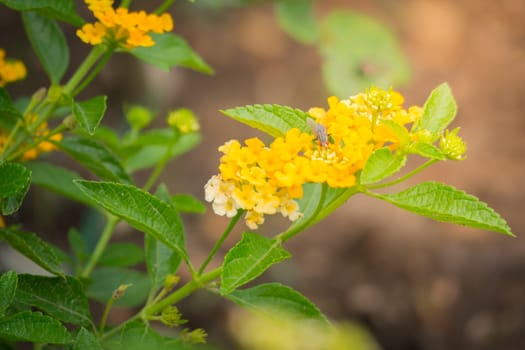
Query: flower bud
point(184, 120)
point(452, 145)
point(138, 117)
point(170, 282)
point(119, 292)
point(171, 316)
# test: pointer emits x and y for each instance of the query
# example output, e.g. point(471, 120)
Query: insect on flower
point(319, 132)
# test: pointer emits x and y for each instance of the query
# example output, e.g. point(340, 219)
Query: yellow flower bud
point(184, 120)
point(452, 145)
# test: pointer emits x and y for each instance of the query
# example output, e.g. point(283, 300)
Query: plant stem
point(94, 72)
point(161, 164)
point(404, 177)
point(105, 315)
point(221, 240)
point(101, 245)
point(165, 5)
point(84, 68)
point(125, 3)
point(36, 142)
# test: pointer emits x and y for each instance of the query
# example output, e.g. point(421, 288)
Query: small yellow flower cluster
point(265, 180)
point(10, 70)
point(128, 29)
point(42, 147)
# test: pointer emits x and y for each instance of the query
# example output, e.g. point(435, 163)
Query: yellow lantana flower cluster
point(266, 180)
point(10, 70)
point(128, 29)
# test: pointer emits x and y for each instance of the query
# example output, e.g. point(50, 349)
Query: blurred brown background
point(416, 284)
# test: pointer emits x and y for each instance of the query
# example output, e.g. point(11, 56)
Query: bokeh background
point(413, 283)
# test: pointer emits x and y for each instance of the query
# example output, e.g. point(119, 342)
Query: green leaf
point(297, 19)
point(275, 298)
point(187, 203)
point(58, 180)
point(96, 158)
point(148, 156)
point(49, 44)
point(122, 254)
point(160, 261)
point(381, 164)
point(89, 113)
point(141, 210)
point(105, 280)
point(445, 203)
point(8, 111)
point(358, 52)
point(139, 336)
point(60, 297)
point(79, 247)
point(171, 51)
point(63, 10)
point(248, 259)
point(427, 150)
point(33, 327)
point(439, 110)
point(274, 120)
point(14, 183)
point(86, 341)
point(34, 248)
point(8, 284)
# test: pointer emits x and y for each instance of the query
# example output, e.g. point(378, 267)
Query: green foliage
point(186, 203)
point(86, 341)
point(33, 327)
point(89, 113)
point(8, 284)
point(297, 19)
point(161, 261)
point(439, 110)
point(122, 254)
point(7, 109)
point(63, 10)
point(14, 184)
point(105, 280)
point(381, 164)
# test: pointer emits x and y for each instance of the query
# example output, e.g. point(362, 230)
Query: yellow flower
point(10, 70)
point(127, 29)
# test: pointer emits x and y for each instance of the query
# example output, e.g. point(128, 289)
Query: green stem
point(36, 142)
point(221, 240)
point(105, 315)
point(125, 4)
point(101, 245)
point(84, 68)
point(406, 176)
point(160, 165)
point(162, 8)
point(94, 72)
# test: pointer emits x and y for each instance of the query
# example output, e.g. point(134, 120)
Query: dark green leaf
point(8, 111)
point(8, 283)
point(34, 248)
point(63, 10)
point(187, 203)
point(78, 246)
point(141, 210)
point(248, 259)
point(96, 158)
point(122, 254)
point(445, 203)
point(171, 51)
point(358, 52)
point(14, 183)
point(139, 336)
point(105, 280)
point(49, 44)
point(58, 180)
point(86, 341)
point(274, 120)
point(297, 19)
point(439, 110)
point(60, 297)
point(89, 113)
point(275, 298)
point(381, 164)
point(160, 261)
point(150, 155)
point(34, 327)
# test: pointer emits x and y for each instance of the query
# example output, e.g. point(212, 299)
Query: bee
point(319, 131)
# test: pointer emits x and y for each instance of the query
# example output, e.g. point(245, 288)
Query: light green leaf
point(358, 52)
point(445, 203)
point(160, 261)
point(89, 113)
point(248, 259)
point(274, 120)
point(96, 158)
point(58, 180)
point(34, 248)
point(14, 183)
point(187, 203)
point(141, 210)
point(297, 19)
point(439, 110)
point(148, 156)
point(8, 284)
point(86, 341)
point(60, 297)
point(49, 44)
point(33, 327)
point(171, 51)
point(274, 299)
point(63, 10)
point(105, 280)
point(381, 164)
point(427, 150)
point(122, 254)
